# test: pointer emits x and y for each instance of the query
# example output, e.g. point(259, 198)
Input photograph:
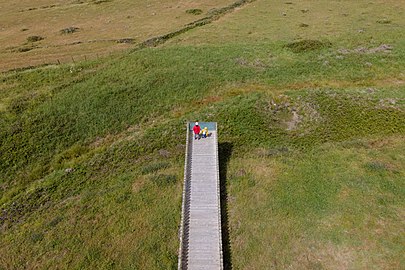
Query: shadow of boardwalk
point(224, 154)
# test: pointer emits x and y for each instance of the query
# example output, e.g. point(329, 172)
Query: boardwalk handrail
point(184, 211)
point(219, 200)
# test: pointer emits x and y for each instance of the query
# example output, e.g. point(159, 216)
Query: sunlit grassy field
point(344, 23)
point(311, 130)
point(337, 206)
point(79, 30)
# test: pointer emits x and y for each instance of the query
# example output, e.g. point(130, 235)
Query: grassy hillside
point(311, 146)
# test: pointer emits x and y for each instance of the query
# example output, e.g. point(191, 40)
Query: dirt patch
point(242, 61)
point(240, 173)
point(335, 257)
point(208, 100)
point(293, 115)
point(385, 48)
point(164, 153)
point(388, 102)
point(307, 45)
point(257, 63)
point(15, 211)
point(295, 120)
point(138, 184)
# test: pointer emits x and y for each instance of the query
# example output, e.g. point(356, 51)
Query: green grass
point(194, 11)
point(112, 101)
point(91, 154)
point(347, 25)
point(328, 208)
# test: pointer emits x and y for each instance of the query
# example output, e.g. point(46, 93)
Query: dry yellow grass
point(100, 26)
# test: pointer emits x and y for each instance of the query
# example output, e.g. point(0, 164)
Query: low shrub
point(34, 38)
point(126, 40)
point(100, 1)
point(307, 45)
point(194, 11)
point(69, 30)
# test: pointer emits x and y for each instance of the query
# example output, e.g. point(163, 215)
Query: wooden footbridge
point(200, 232)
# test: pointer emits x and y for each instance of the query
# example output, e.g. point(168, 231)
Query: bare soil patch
point(384, 48)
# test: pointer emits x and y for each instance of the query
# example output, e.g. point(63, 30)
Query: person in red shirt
point(196, 130)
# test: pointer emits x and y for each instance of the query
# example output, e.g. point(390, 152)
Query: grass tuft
point(154, 167)
point(55, 222)
point(307, 45)
point(34, 38)
point(97, 2)
point(384, 21)
point(69, 30)
point(126, 40)
point(194, 11)
point(37, 237)
point(375, 166)
point(162, 180)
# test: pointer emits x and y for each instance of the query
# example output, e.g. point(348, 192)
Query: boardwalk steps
point(200, 232)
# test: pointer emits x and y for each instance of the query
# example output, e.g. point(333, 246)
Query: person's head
point(196, 123)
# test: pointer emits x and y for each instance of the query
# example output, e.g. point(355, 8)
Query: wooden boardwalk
point(200, 236)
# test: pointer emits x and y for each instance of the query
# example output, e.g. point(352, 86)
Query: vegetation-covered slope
point(311, 148)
